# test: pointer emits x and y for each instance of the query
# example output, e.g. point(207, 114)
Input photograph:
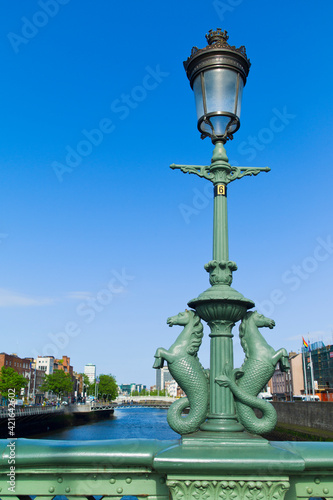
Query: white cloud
point(78, 295)
point(9, 298)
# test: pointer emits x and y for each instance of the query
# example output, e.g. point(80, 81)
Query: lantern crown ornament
point(217, 75)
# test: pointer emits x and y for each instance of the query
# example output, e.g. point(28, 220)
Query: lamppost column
point(220, 230)
point(220, 169)
point(222, 409)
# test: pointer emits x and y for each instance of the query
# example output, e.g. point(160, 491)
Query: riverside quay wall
point(316, 415)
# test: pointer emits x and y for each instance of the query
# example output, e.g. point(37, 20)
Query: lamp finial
point(217, 36)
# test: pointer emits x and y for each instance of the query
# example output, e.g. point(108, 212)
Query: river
point(148, 423)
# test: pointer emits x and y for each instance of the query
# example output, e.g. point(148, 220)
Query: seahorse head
point(252, 320)
point(191, 320)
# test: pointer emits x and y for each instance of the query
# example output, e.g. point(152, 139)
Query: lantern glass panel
point(215, 93)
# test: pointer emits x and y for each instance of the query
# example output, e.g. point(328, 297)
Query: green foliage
point(144, 392)
point(159, 393)
point(58, 382)
point(107, 387)
point(10, 379)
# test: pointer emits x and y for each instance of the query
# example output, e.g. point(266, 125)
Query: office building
point(162, 375)
point(90, 371)
point(46, 364)
point(319, 378)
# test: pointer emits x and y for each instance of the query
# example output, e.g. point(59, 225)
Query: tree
point(11, 380)
point(86, 384)
point(161, 392)
point(107, 387)
point(58, 382)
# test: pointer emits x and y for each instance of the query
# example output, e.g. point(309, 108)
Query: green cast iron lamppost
point(222, 399)
point(221, 455)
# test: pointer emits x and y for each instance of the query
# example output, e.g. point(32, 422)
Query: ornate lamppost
point(217, 75)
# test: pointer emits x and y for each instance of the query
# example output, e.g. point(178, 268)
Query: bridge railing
point(154, 470)
point(142, 405)
point(29, 410)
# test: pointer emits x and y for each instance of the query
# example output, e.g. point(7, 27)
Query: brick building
point(21, 366)
point(64, 364)
point(27, 368)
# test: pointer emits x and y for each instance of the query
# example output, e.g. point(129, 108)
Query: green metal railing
point(155, 470)
point(82, 470)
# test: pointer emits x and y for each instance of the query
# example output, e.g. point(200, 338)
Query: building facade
point(281, 385)
point(171, 388)
point(162, 376)
point(20, 365)
point(27, 368)
point(126, 389)
point(311, 373)
point(90, 371)
point(296, 369)
point(318, 361)
point(64, 364)
point(139, 388)
point(46, 364)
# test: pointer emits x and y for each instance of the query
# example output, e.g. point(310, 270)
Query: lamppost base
point(218, 423)
point(207, 438)
point(221, 307)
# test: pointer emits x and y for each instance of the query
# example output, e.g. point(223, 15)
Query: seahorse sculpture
point(185, 368)
point(257, 369)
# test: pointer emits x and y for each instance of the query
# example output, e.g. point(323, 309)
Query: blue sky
point(100, 241)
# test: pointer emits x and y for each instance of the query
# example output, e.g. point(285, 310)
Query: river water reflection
point(147, 423)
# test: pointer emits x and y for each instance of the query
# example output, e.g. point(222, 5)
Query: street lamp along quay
point(217, 75)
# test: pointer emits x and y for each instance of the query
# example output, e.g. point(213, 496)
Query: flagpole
point(312, 379)
point(304, 372)
point(311, 370)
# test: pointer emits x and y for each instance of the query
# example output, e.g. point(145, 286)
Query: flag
point(305, 344)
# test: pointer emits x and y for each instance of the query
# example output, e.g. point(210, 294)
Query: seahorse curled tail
point(193, 380)
point(244, 408)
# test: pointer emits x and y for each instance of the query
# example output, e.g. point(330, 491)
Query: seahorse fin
point(237, 373)
point(223, 380)
point(159, 362)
